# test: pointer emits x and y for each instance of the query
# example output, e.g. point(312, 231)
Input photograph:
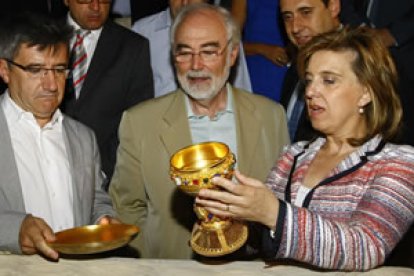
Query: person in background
point(303, 19)
point(141, 9)
point(393, 22)
point(205, 43)
point(111, 72)
point(157, 29)
point(50, 172)
point(264, 45)
point(345, 199)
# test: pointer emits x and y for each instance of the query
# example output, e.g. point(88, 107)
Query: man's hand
point(34, 235)
point(108, 220)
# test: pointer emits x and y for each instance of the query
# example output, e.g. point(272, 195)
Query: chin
point(201, 95)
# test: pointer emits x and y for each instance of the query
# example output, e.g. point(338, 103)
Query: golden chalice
point(192, 169)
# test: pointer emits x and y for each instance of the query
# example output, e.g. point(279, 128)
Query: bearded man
point(204, 43)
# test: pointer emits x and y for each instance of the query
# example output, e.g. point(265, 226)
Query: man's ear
point(4, 70)
point(334, 7)
point(234, 54)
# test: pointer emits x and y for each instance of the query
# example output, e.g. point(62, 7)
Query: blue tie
point(296, 113)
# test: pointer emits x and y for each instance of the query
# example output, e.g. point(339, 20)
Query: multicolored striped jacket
point(351, 220)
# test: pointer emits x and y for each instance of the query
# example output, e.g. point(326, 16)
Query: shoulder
point(119, 32)
point(153, 107)
point(400, 153)
point(260, 103)
point(148, 24)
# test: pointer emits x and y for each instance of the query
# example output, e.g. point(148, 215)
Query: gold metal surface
point(199, 156)
point(192, 169)
point(93, 238)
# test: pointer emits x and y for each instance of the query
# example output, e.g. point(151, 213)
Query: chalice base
point(212, 241)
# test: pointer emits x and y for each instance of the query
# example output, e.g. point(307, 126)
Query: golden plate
point(93, 238)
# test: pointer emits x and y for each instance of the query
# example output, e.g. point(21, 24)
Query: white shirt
point(156, 28)
point(121, 7)
point(89, 41)
point(42, 164)
point(303, 191)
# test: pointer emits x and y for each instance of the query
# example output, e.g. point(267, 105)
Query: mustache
point(198, 74)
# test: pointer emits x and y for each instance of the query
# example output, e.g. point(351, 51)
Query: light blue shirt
point(220, 128)
point(156, 28)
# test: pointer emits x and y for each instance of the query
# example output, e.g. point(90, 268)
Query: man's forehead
point(201, 30)
point(33, 52)
point(295, 5)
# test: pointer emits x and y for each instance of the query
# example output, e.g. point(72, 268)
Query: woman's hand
point(248, 200)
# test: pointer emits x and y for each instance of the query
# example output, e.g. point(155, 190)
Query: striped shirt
point(351, 220)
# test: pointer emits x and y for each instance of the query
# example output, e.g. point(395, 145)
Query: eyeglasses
point(205, 55)
point(40, 72)
point(90, 1)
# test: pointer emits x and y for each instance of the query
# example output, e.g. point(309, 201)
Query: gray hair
point(232, 28)
point(31, 29)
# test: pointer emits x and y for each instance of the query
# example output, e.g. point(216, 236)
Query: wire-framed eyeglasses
point(40, 72)
point(183, 56)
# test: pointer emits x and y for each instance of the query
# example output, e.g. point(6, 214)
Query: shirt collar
point(363, 152)
point(16, 114)
point(165, 21)
point(228, 109)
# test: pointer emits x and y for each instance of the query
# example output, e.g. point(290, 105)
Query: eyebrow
point(300, 9)
point(324, 73)
point(44, 65)
point(204, 45)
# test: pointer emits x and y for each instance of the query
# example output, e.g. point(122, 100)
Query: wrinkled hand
point(34, 235)
point(248, 200)
point(108, 220)
point(276, 54)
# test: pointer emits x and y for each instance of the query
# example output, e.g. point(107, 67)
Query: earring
point(361, 110)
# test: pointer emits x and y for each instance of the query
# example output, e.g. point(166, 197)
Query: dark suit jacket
point(304, 130)
point(398, 17)
point(118, 77)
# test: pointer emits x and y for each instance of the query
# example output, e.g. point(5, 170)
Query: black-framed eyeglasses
point(40, 72)
point(90, 1)
point(184, 56)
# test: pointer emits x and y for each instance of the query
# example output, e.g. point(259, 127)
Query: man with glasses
point(111, 72)
point(156, 28)
point(50, 177)
point(205, 44)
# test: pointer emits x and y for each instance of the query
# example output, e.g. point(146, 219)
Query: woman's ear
point(365, 97)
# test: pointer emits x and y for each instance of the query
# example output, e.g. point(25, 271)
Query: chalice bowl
point(192, 169)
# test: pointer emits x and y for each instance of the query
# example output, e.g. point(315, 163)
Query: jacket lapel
point(177, 131)
point(104, 55)
point(9, 175)
point(247, 129)
point(74, 156)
